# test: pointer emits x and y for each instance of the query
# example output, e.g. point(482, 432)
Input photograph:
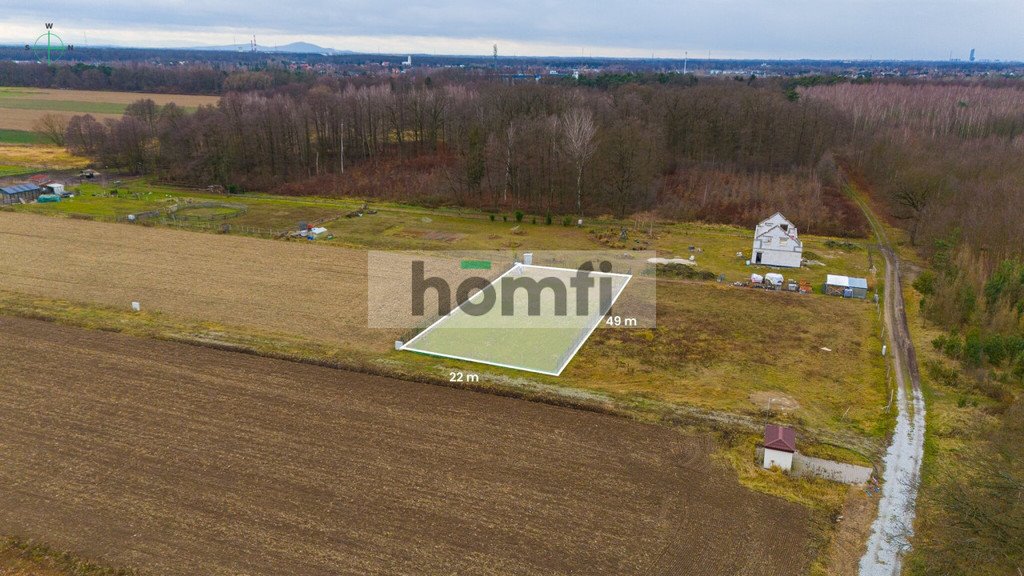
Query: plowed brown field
point(181, 460)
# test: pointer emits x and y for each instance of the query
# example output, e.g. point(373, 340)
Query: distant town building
point(776, 243)
point(779, 446)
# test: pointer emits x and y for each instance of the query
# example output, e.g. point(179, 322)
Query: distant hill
point(293, 48)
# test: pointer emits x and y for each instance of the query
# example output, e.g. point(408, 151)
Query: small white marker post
point(136, 307)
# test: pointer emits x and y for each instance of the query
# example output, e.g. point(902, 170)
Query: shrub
point(567, 221)
point(953, 347)
point(995, 349)
point(684, 271)
point(547, 219)
point(972, 349)
point(925, 283)
point(534, 220)
point(519, 216)
point(504, 218)
point(492, 217)
point(841, 245)
point(946, 376)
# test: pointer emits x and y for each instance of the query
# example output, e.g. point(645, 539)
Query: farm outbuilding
point(846, 286)
point(20, 193)
point(776, 243)
point(779, 446)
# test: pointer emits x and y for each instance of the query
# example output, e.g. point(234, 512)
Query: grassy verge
point(20, 557)
point(960, 420)
point(6, 171)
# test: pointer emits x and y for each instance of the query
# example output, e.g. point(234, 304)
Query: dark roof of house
point(780, 438)
point(19, 188)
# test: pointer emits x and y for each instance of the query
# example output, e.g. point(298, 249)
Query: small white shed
point(845, 286)
point(779, 446)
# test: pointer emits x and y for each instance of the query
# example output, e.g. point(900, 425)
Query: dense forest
point(728, 150)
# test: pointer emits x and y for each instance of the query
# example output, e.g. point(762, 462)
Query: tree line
point(193, 78)
point(545, 148)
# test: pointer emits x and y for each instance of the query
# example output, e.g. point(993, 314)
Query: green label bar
point(476, 265)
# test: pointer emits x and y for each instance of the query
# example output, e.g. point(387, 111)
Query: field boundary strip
point(584, 334)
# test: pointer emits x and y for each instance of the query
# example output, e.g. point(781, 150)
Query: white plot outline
point(586, 332)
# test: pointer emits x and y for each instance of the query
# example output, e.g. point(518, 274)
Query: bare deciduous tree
point(53, 127)
point(579, 142)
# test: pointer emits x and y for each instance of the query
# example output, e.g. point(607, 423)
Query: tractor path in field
point(174, 459)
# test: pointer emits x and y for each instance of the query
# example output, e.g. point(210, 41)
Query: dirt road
point(182, 460)
point(893, 527)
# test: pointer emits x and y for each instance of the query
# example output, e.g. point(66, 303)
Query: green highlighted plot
point(539, 336)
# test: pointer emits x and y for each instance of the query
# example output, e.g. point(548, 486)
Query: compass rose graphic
point(48, 46)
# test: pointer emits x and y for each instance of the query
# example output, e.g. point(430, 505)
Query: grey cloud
point(857, 28)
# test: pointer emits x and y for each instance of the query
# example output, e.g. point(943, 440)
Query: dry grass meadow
point(288, 287)
point(36, 158)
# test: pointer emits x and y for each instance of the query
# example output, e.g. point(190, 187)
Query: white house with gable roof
point(776, 243)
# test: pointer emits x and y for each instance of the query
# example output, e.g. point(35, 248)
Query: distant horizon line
point(343, 52)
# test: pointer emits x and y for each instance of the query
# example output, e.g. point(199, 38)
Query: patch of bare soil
point(773, 400)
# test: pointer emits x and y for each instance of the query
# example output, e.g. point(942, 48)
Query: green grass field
point(14, 102)
point(14, 170)
point(542, 343)
point(20, 137)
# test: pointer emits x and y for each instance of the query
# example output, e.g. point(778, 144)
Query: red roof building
point(780, 438)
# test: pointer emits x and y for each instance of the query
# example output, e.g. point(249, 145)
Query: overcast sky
point(856, 29)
